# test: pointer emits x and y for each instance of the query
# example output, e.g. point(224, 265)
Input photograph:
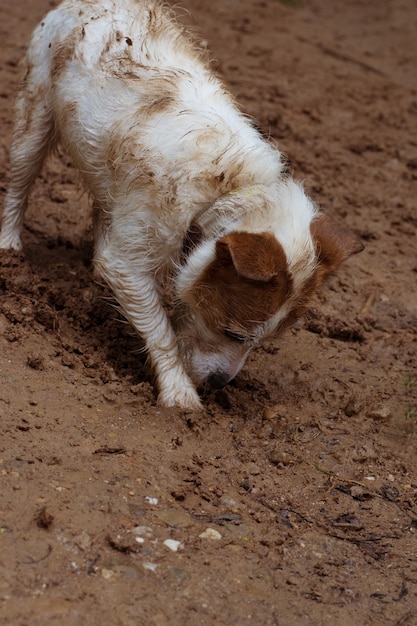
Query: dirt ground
point(292, 499)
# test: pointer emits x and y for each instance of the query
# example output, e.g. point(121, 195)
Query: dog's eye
point(235, 336)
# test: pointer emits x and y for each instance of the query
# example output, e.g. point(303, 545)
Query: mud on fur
point(185, 192)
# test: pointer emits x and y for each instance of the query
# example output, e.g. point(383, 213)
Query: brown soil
point(305, 465)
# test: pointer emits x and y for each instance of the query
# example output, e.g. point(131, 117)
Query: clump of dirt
point(292, 499)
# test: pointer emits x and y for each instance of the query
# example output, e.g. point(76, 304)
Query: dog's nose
point(218, 379)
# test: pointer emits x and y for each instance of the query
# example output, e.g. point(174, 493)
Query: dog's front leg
point(137, 294)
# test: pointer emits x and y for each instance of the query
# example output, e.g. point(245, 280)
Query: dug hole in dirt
point(292, 499)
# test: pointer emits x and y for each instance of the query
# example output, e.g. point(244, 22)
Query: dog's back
point(125, 66)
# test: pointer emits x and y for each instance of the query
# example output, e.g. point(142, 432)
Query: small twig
point(368, 304)
point(376, 494)
point(110, 450)
point(343, 480)
point(358, 540)
point(301, 516)
point(278, 511)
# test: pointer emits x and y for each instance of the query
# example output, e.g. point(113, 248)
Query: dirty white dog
point(187, 196)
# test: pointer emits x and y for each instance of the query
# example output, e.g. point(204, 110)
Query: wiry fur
point(163, 150)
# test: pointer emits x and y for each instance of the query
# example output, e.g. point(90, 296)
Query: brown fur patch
point(27, 110)
point(335, 243)
point(256, 256)
point(245, 285)
point(68, 113)
point(159, 105)
point(63, 53)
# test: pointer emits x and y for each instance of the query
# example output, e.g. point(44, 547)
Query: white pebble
point(210, 533)
point(150, 500)
point(142, 530)
point(150, 566)
point(172, 544)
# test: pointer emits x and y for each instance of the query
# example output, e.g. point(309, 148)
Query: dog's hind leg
point(33, 137)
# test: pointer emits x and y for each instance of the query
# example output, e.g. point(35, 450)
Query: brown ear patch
point(256, 256)
point(247, 282)
point(335, 243)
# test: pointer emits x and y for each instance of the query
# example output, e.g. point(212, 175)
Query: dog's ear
point(334, 243)
point(256, 256)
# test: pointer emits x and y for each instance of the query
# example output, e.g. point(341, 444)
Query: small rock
point(229, 503)
point(352, 407)
point(210, 533)
point(245, 484)
point(142, 531)
point(150, 566)
point(124, 541)
point(269, 414)
point(5, 529)
point(273, 412)
point(36, 362)
point(83, 541)
point(359, 493)
point(380, 414)
point(389, 492)
point(279, 457)
point(174, 518)
point(172, 544)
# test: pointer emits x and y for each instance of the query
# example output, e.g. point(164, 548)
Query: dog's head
point(248, 285)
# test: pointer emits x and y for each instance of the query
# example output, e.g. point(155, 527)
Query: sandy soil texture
point(292, 499)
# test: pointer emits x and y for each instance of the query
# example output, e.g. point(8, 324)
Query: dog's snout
point(218, 379)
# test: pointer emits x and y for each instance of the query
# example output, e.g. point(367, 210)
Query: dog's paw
point(10, 241)
point(185, 397)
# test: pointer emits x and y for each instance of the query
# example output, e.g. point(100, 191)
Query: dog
point(188, 198)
